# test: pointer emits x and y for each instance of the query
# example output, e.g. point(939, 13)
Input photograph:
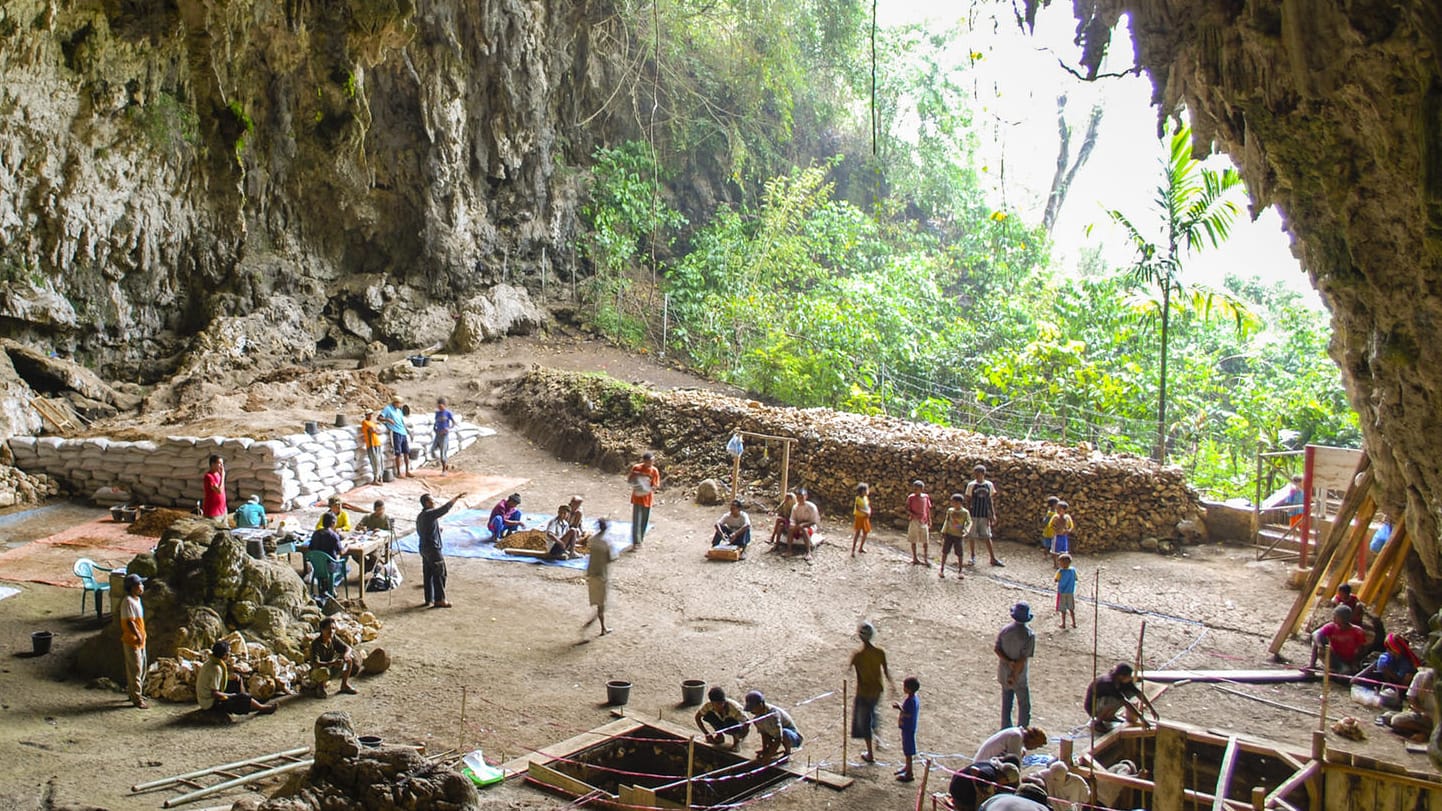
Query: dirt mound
point(155, 522)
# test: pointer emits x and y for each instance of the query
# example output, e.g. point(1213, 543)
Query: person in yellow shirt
point(870, 665)
point(370, 432)
point(861, 518)
point(132, 638)
point(1047, 534)
point(342, 519)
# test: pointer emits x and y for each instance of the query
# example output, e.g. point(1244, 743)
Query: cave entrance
point(630, 764)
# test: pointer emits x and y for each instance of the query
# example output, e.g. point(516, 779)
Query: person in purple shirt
point(440, 443)
point(505, 517)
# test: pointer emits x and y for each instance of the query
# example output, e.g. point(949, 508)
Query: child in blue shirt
point(440, 442)
point(910, 707)
point(1065, 589)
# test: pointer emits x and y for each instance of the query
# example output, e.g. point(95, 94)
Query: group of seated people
point(217, 690)
point(721, 716)
point(562, 532)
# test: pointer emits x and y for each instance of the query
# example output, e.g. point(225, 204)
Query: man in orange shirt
point(132, 637)
point(644, 479)
point(370, 431)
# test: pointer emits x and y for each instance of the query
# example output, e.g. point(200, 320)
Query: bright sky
point(1017, 82)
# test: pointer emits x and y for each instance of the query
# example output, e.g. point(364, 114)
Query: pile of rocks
point(287, 472)
point(1117, 501)
point(18, 487)
point(384, 778)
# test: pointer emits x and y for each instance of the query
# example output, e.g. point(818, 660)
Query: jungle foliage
point(886, 282)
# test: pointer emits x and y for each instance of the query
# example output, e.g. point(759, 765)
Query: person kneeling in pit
point(330, 656)
point(216, 691)
point(724, 716)
point(775, 726)
point(1344, 643)
point(1109, 694)
point(733, 528)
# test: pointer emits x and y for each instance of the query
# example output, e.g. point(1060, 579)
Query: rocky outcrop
point(1117, 501)
point(335, 172)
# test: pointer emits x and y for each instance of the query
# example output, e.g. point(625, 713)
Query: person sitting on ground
point(1344, 596)
point(1028, 797)
point(216, 691)
point(576, 515)
point(805, 518)
point(1109, 694)
point(1014, 741)
point(326, 539)
point(560, 535)
point(505, 517)
point(782, 528)
point(1394, 668)
point(1417, 720)
point(330, 656)
point(335, 507)
point(377, 520)
point(724, 716)
point(1344, 642)
point(978, 781)
point(250, 515)
point(775, 727)
point(733, 528)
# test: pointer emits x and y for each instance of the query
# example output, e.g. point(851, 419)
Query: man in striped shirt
point(982, 496)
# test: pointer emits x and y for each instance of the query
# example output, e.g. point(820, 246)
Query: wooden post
point(1315, 785)
point(921, 789)
point(1065, 752)
point(690, 767)
point(785, 469)
point(844, 731)
point(1309, 462)
point(1259, 798)
point(462, 746)
point(1224, 775)
point(1169, 770)
point(1326, 687)
point(735, 477)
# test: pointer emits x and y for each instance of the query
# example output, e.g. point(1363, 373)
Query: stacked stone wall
point(288, 472)
point(1117, 501)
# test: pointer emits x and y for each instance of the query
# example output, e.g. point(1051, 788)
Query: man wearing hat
point(132, 639)
point(1015, 646)
point(775, 726)
point(393, 417)
point(250, 515)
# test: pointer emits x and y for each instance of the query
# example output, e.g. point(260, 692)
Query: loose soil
point(514, 639)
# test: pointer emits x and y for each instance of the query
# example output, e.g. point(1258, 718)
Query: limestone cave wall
point(292, 174)
point(1333, 111)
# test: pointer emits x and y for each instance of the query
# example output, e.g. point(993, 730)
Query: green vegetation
point(247, 126)
point(829, 275)
point(169, 124)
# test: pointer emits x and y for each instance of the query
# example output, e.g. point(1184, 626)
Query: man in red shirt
point(1345, 641)
point(212, 505)
point(644, 479)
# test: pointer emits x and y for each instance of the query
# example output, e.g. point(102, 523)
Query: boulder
point(504, 310)
point(1227, 523)
point(1192, 531)
point(377, 662)
point(710, 492)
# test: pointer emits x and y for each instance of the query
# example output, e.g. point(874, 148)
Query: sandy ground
point(514, 638)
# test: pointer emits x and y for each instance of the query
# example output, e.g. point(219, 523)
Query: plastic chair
point(329, 572)
point(85, 569)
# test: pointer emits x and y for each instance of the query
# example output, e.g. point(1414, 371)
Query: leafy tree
point(1194, 207)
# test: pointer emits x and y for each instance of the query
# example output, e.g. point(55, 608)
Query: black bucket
point(40, 643)
point(370, 741)
point(387, 475)
point(420, 361)
point(693, 692)
point(311, 427)
point(618, 692)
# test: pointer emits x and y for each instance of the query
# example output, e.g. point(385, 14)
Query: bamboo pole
point(735, 477)
point(1091, 723)
point(1384, 594)
point(1326, 687)
point(239, 781)
point(1382, 565)
point(844, 735)
point(462, 737)
point(921, 790)
point(180, 778)
point(785, 469)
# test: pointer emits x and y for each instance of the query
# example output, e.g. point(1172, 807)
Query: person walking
point(644, 479)
point(433, 559)
point(132, 639)
point(869, 662)
point(1015, 646)
point(598, 574)
point(440, 442)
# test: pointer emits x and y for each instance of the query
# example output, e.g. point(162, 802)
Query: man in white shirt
point(804, 520)
point(561, 535)
point(733, 528)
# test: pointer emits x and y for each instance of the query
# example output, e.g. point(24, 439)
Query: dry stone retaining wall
point(1117, 501)
point(287, 472)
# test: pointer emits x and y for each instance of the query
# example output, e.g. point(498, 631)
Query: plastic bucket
point(693, 692)
point(420, 361)
point(341, 421)
point(618, 691)
point(40, 643)
point(311, 427)
point(387, 475)
point(370, 741)
point(415, 454)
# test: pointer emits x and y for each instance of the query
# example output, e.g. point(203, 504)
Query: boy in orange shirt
point(132, 638)
point(644, 479)
point(370, 432)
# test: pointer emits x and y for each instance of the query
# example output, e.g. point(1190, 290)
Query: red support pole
point(1309, 458)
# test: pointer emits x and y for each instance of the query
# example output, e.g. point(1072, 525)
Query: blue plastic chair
point(85, 569)
point(328, 572)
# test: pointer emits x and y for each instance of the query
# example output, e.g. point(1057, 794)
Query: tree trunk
point(1161, 451)
point(1062, 179)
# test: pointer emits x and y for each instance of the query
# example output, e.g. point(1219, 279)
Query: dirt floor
point(514, 638)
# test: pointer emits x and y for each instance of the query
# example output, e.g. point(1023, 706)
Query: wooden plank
point(1269, 676)
point(1168, 766)
point(1385, 591)
point(1383, 563)
point(560, 781)
point(1294, 782)
point(1182, 797)
point(1359, 532)
point(1224, 778)
point(570, 746)
point(1410, 779)
point(1325, 554)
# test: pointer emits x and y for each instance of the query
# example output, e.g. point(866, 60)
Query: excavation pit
point(629, 764)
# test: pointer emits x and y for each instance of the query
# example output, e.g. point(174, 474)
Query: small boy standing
point(1046, 532)
point(861, 518)
point(918, 528)
point(953, 532)
point(1066, 589)
point(1061, 529)
point(910, 707)
point(440, 442)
